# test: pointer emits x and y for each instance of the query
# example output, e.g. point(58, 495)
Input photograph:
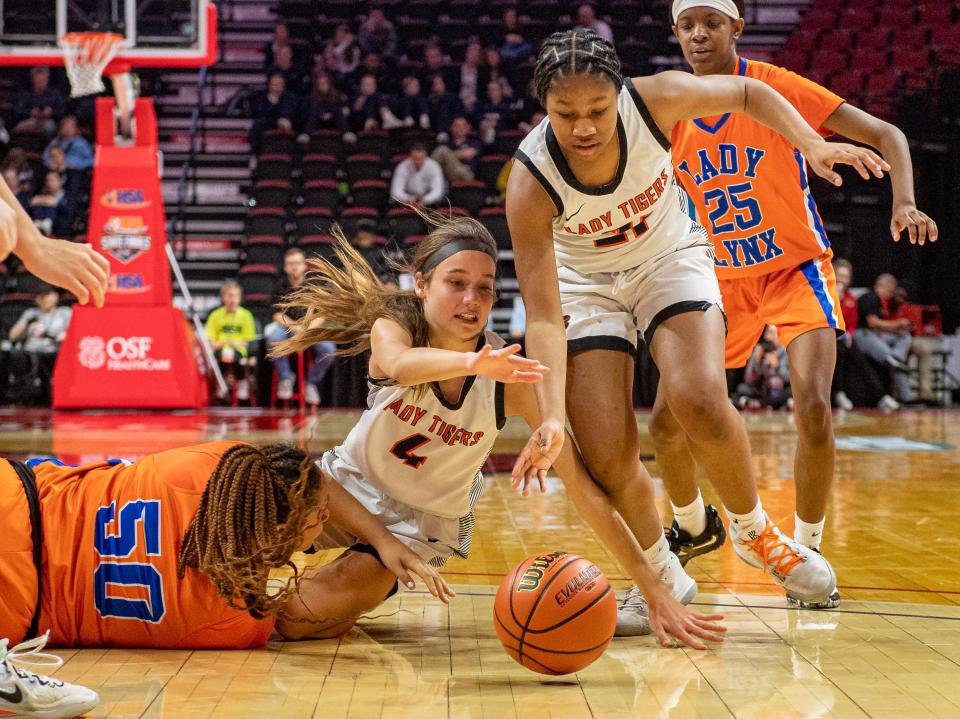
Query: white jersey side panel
point(641, 214)
point(422, 450)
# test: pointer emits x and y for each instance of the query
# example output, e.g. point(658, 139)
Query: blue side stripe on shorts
point(812, 273)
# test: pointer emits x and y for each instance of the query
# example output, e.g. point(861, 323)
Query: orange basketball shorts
point(796, 300)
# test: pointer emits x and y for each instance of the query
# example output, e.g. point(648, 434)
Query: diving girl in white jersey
point(441, 389)
point(603, 243)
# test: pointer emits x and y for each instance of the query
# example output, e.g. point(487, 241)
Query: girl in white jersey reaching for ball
point(440, 391)
point(603, 243)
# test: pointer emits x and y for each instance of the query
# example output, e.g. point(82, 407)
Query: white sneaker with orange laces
point(804, 573)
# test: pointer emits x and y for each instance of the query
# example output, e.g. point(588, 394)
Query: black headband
point(452, 248)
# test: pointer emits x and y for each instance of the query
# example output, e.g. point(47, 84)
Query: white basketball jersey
point(422, 450)
point(640, 214)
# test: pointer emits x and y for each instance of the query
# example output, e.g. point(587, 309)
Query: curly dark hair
point(252, 515)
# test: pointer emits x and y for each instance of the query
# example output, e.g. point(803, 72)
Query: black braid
point(575, 52)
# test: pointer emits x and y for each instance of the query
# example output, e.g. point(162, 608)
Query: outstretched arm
point(675, 96)
point(73, 266)
point(861, 126)
point(667, 615)
point(530, 214)
point(393, 355)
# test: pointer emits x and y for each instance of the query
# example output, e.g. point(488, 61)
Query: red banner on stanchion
point(138, 351)
point(126, 357)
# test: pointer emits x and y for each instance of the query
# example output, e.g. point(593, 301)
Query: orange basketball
point(555, 613)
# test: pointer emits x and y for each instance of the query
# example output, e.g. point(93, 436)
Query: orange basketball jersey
point(111, 537)
point(749, 185)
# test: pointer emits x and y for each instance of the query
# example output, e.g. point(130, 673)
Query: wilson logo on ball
point(534, 575)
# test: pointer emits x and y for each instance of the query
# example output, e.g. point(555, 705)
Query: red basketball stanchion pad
point(555, 613)
point(121, 357)
point(137, 352)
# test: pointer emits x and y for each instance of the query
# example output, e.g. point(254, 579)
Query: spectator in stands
point(372, 64)
point(37, 336)
point(230, 329)
point(342, 54)
point(443, 106)
point(417, 180)
point(766, 380)
point(369, 110)
point(13, 182)
point(41, 105)
point(527, 110)
point(459, 156)
point(369, 245)
point(587, 20)
point(921, 346)
point(326, 107)
point(473, 77)
point(882, 336)
point(74, 182)
point(411, 107)
point(281, 38)
point(854, 376)
point(77, 153)
point(273, 108)
point(514, 47)
point(51, 209)
point(434, 63)
point(16, 160)
point(295, 271)
point(494, 114)
point(293, 71)
point(496, 72)
point(378, 35)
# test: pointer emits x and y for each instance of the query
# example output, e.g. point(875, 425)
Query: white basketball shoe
point(25, 694)
point(804, 573)
point(633, 614)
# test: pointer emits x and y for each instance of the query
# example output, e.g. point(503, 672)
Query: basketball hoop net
point(85, 56)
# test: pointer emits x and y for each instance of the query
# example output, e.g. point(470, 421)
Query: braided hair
point(575, 52)
point(252, 515)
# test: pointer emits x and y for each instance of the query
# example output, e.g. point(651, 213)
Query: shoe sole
point(830, 602)
point(688, 552)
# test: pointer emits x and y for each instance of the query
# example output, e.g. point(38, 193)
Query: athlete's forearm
point(348, 514)
point(766, 105)
point(895, 150)
point(547, 341)
point(419, 365)
point(25, 227)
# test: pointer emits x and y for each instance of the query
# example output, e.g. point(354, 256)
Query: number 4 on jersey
point(403, 450)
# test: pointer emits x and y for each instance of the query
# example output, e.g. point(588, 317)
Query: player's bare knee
point(664, 428)
point(702, 410)
point(814, 419)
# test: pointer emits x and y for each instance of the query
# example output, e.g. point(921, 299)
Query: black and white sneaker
point(687, 547)
point(25, 694)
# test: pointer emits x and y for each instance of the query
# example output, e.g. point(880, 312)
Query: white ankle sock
point(692, 517)
point(752, 523)
point(658, 553)
point(807, 534)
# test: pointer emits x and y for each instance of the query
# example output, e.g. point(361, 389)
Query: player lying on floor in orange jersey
point(173, 550)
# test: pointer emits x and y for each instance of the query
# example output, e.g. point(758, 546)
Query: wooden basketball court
point(892, 649)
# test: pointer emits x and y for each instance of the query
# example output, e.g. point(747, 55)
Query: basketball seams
point(572, 616)
point(536, 603)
